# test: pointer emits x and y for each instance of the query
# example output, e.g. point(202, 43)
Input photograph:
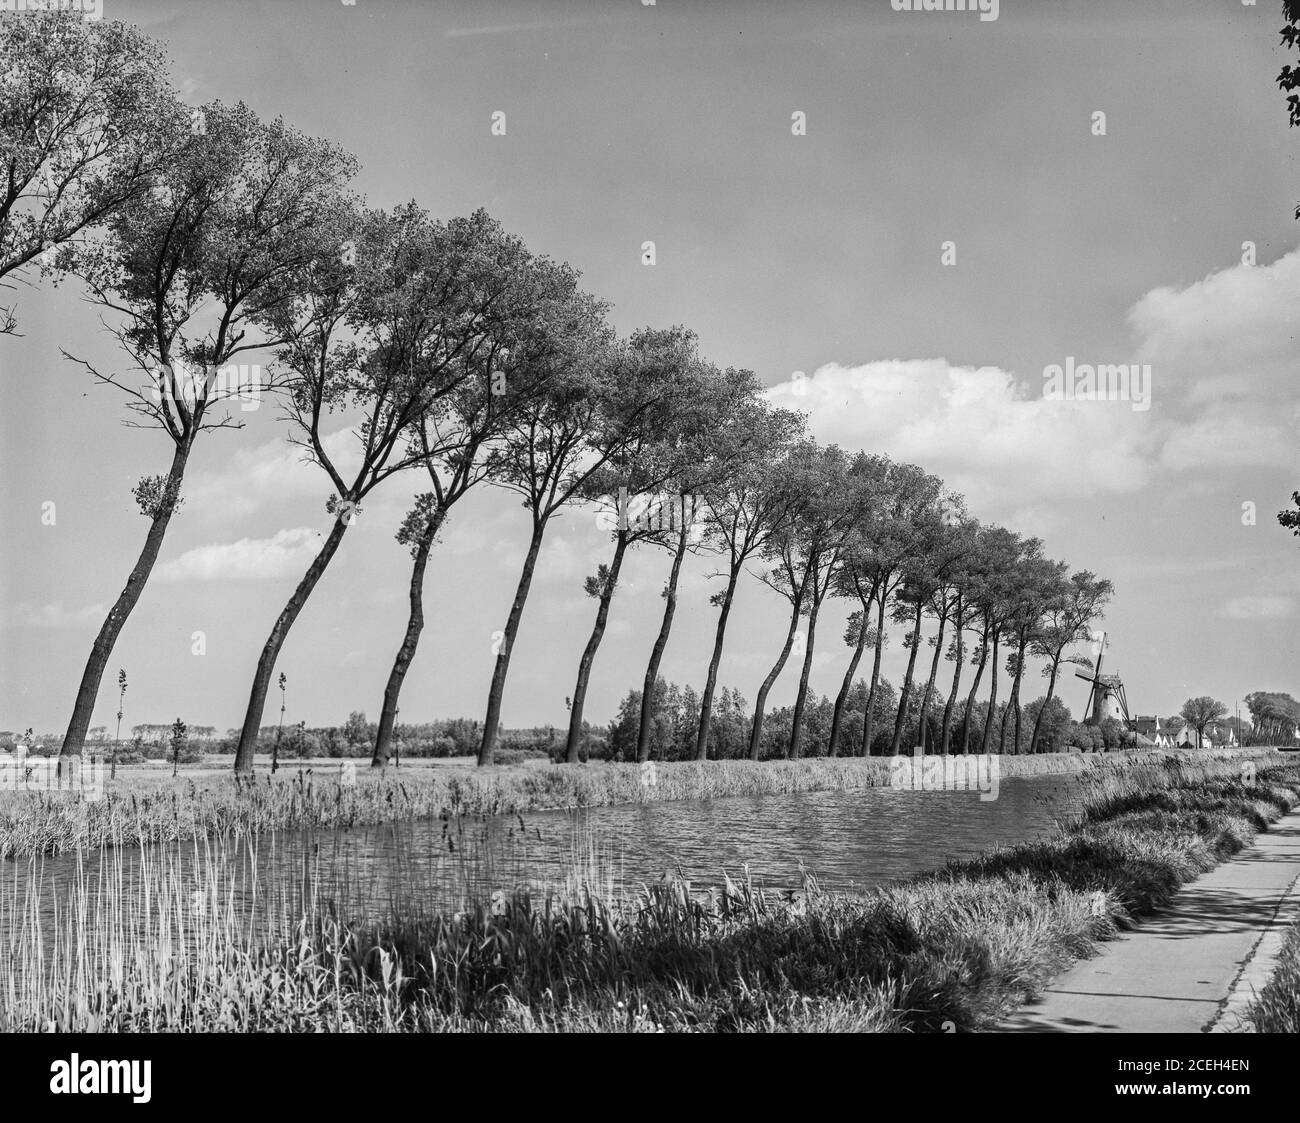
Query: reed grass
point(1277, 1007)
point(190, 938)
point(317, 797)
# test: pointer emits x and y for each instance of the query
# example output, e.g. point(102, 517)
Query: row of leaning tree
point(203, 234)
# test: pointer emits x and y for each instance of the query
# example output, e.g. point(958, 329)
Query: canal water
point(847, 840)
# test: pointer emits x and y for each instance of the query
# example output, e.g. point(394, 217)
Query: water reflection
point(848, 840)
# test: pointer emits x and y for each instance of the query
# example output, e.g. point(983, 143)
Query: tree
point(454, 439)
point(86, 116)
point(797, 574)
point(705, 448)
point(356, 731)
point(661, 444)
point(1289, 78)
point(1068, 620)
point(937, 549)
point(998, 549)
point(1200, 713)
point(1291, 519)
point(857, 634)
point(188, 268)
point(394, 315)
point(743, 510)
point(550, 451)
point(841, 490)
point(965, 582)
point(879, 557)
point(1052, 721)
point(1039, 583)
point(1275, 716)
point(851, 581)
point(945, 578)
point(180, 742)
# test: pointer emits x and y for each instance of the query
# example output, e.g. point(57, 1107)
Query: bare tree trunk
point(900, 722)
point(956, 684)
point(406, 652)
point(492, 720)
point(970, 698)
point(801, 698)
point(657, 652)
point(84, 707)
point(934, 673)
point(987, 740)
point(574, 742)
point(869, 718)
point(760, 702)
point(833, 748)
point(1013, 705)
point(1038, 720)
point(706, 701)
point(271, 649)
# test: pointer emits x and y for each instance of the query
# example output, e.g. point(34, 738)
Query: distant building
point(1146, 727)
point(1174, 736)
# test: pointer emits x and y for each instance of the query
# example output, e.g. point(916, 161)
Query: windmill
point(1106, 695)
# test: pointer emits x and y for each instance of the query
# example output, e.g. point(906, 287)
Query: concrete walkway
point(1190, 963)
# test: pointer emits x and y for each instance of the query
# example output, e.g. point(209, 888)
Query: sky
point(952, 224)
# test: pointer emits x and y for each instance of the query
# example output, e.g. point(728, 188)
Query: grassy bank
point(1277, 1009)
point(146, 806)
point(169, 949)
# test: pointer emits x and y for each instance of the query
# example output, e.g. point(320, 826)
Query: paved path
point(1178, 971)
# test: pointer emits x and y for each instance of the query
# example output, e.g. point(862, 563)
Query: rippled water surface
point(848, 840)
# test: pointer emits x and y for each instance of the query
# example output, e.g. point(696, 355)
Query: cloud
point(1227, 442)
point(249, 479)
point(1229, 336)
point(55, 616)
point(979, 428)
point(286, 553)
point(1225, 368)
point(1260, 608)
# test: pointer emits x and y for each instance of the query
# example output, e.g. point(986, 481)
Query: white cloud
point(1225, 373)
point(250, 478)
point(1260, 608)
point(286, 553)
point(1227, 442)
point(1000, 443)
point(1231, 335)
point(55, 616)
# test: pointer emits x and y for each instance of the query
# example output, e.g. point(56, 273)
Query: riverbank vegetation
point(146, 805)
point(1277, 1008)
point(171, 946)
